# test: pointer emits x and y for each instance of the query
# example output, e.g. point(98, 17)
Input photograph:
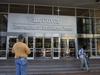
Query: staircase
point(66, 66)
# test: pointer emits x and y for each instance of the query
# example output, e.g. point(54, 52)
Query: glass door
point(39, 51)
point(47, 47)
point(72, 47)
point(56, 47)
point(3, 54)
point(11, 41)
point(68, 48)
point(31, 45)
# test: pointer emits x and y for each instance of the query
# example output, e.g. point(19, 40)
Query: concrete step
point(49, 67)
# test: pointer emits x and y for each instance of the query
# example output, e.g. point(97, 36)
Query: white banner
point(33, 23)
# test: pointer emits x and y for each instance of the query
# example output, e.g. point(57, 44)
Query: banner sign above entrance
point(33, 23)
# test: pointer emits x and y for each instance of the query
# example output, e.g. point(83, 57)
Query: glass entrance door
point(42, 47)
point(39, 51)
point(3, 54)
point(68, 48)
point(31, 44)
point(56, 47)
point(72, 47)
point(11, 40)
point(47, 47)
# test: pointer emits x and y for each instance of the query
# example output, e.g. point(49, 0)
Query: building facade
point(51, 32)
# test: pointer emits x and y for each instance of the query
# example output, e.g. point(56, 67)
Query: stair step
point(49, 67)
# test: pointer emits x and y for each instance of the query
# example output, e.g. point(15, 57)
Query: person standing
point(82, 57)
point(21, 52)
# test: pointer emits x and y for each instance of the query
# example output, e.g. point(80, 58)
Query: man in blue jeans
point(21, 52)
point(82, 56)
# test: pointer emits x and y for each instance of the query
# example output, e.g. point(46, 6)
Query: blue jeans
point(21, 66)
point(84, 63)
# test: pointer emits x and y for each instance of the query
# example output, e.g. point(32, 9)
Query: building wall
point(88, 23)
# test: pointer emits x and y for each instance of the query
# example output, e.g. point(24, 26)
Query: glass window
point(97, 13)
point(63, 43)
point(64, 11)
point(43, 10)
point(2, 53)
point(82, 12)
point(39, 43)
point(18, 8)
point(31, 54)
point(97, 20)
point(92, 25)
point(84, 42)
point(72, 47)
point(93, 47)
point(30, 42)
point(12, 41)
point(98, 28)
point(3, 22)
point(3, 7)
point(47, 43)
point(3, 46)
point(98, 47)
point(2, 42)
point(55, 54)
point(98, 25)
point(48, 52)
point(91, 14)
point(63, 46)
point(84, 25)
point(31, 9)
point(55, 41)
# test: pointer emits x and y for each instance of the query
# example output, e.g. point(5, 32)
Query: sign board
point(43, 24)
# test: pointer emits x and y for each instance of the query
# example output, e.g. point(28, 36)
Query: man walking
point(21, 52)
point(82, 57)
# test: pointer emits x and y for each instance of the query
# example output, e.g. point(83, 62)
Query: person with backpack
point(83, 60)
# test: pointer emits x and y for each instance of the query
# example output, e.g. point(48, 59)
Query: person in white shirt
point(82, 57)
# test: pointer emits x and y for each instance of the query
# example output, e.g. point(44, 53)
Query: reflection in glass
point(30, 42)
point(18, 8)
point(47, 42)
point(55, 42)
point(63, 47)
point(4, 8)
point(84, 25)
point(98, 25)
point(97, 13)
point(98, 47)
point(64, 11)
point(43, 10)
point(2, 53)
point(55, 54)
point(12, 41)
point(31, 54)
point(39, 43)
point(2, 42)
point(31, 9)
point(3, 22)
point(72, 47)
point(48, 52)
point(91, 13)
point(82, 12)
point(38, 52)
point(2, 46)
